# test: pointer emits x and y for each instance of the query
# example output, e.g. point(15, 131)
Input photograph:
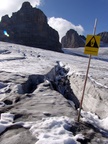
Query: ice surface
point(100, 124)
point(54, 130)
point(6, 121)
point(21, 60)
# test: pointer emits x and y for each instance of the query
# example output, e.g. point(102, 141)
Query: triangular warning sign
point(92, 43)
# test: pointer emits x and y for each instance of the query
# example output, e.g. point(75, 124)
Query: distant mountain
point(104, 37)
point(72, 40)
point(83, 37)
point(29, 27)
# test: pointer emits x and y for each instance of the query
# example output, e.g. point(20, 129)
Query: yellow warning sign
point(92, 45)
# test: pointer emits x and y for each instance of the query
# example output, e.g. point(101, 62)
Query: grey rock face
point(29, 27)
point(104, 37)
point(72, 40)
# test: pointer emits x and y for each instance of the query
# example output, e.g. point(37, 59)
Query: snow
point(102, 54)
point(2, 104)
point(97, 83)
point(100, 124)
point(5, 121)
point(52, 130)
point(91, 78)
point(55, 130)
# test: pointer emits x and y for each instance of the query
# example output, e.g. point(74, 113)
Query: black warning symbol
point(92, 43)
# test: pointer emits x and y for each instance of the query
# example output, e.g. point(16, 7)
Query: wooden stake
point(79, 112)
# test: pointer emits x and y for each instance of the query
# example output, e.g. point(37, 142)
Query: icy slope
point(33, 84)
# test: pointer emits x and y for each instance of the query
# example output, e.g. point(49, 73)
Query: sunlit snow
point(51, 130)
point(54, 130)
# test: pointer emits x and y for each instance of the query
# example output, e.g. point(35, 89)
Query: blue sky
point(81, 12)
point(66, 14)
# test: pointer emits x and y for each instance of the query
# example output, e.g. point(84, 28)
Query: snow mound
point(5, 121)
point(54, 130)
point(100, 124)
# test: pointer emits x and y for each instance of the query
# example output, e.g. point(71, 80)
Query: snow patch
point(54, 130)
point(91, 78)
point(100, 124)
point(5, 121)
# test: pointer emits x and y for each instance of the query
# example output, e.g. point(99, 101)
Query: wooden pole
point(79, 112)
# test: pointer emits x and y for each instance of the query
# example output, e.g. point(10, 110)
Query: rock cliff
point(104, 37)
point(72, 40)
point(29, 27)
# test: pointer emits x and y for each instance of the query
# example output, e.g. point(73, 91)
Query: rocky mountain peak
point(72, 40)
point(71, 31)
point(29, 27)
point(26, 5)
point(5, 19)
point(104, 36)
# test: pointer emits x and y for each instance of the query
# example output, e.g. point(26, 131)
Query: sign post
point(91, 47)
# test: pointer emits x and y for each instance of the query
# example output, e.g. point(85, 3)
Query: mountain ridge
point(72, 40)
